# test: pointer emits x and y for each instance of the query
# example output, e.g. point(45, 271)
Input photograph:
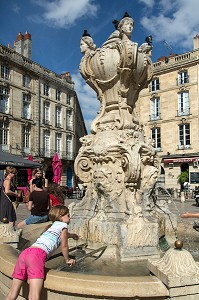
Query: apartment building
point(39, 110)
point(169, 109)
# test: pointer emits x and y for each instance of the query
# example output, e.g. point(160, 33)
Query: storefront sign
point(180, 160)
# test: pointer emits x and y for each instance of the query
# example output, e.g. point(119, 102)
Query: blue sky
point(56, 27)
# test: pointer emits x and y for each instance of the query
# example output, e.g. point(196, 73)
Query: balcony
point(26, 116)
point(5, 147)
point(62, 154)
point(46, 122)
point(69, 127)
point(183, 112)
point(26, 150)
point(45, 152)
point(5, 110)
point(58, 125)
point(184, 147)
point(154, 117)
point(68, 155)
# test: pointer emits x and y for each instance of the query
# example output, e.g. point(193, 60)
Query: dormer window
point(183, 77)
point(155, 85)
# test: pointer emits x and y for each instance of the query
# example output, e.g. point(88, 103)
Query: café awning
point(180, 160)
point(8, 159)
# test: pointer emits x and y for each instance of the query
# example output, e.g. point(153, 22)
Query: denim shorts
point(36, 219)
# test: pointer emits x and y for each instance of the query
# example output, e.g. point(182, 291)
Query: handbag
point(14, 203)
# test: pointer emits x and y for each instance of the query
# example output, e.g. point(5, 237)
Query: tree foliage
point(183, 177)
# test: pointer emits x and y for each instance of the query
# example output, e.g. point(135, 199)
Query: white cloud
point(16, 8)
point(149, 3)
point(177, 22)
point(87, 99)
point(62, 13)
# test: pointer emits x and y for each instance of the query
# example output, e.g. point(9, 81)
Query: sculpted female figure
point(87, 48)
point(117, 72)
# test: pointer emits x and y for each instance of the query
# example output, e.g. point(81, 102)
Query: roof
point(7, 159)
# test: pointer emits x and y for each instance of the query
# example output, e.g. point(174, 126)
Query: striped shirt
point(51, 238)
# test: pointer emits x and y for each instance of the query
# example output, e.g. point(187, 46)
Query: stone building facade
point(169, 109)
point(39, 110)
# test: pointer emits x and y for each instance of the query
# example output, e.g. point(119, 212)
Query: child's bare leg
point(15, 288)
point(35, 288)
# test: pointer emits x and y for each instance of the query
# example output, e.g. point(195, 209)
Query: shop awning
point(8, 159)
point(180, 160)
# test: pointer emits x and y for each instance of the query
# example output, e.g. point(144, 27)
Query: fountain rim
point(88, 284)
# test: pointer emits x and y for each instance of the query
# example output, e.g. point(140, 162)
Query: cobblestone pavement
point(176, 206)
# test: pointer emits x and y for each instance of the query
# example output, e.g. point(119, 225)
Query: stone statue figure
point(117, 71)
point(116, 164)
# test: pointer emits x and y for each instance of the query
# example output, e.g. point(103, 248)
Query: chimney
point(23, 44)
point(19, 43)
point(27, 45)
point(196, 42)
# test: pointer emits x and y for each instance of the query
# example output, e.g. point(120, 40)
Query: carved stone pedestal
point(126, 240)
point(8, 235)
point(179, 272)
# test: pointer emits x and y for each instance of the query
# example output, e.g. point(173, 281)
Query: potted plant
point(182, 178)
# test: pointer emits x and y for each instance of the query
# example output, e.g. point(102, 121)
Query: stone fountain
point(116, 163)
point(119, 168)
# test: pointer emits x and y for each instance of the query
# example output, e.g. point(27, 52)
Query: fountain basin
point(64, 285)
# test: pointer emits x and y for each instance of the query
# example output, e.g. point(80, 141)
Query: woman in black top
point(38, 204)
point(8, 196)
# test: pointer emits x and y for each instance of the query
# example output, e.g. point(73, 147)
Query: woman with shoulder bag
point(8, 200)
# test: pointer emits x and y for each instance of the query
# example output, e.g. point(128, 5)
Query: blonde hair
point(37, 170)
point(10, 170)
point(58, 211)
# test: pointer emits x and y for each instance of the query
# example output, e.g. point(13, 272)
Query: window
point(26, 81)
point(184, 136)
point(58, 116)
point(155, 85)
point(4, 135)
point(58, 95)
point(4, 100)
point(26, 106)
point(46, 113)
point(68, 99)
point(47, 143)
point(155, 109)
point(183, 77)
point(156, 137)
point(26, 139)
point(183, 104)
point(5, 72)
point(46, 90)
point(69, 147)
point(58, 138)
point(69, 119)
